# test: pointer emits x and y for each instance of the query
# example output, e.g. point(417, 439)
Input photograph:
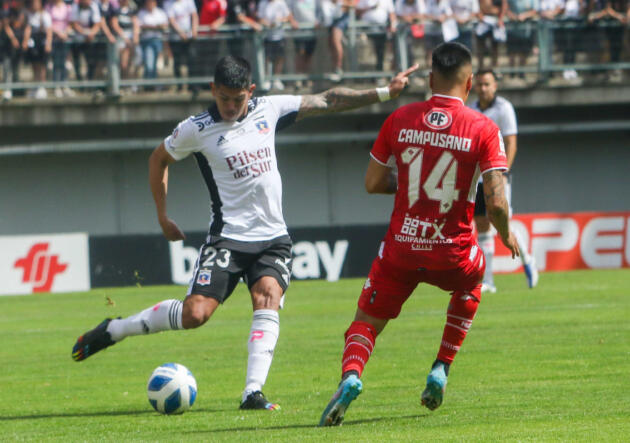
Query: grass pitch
point(546, 364)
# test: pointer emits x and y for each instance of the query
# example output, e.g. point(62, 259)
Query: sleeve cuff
point(379, 161)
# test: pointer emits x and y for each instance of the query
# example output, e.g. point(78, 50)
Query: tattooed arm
point(342, 99)
point(498, 209)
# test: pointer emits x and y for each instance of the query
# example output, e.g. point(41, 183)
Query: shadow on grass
point(303, 426)
point(99, 414)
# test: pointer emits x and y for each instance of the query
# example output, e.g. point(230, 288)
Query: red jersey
point(440, 147)
point(211, 10)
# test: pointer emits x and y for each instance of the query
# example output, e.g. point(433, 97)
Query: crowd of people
point(60, 37)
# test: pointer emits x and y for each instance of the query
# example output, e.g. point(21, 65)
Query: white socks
point(164, 316)
point(260, 345)
point(486, 242)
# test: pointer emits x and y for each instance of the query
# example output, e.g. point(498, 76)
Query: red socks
point(459, 317)
point(360, 338)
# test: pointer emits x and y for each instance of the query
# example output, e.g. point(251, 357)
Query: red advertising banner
point(560, 242)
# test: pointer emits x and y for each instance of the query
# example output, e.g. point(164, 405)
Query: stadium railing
point(550, 40)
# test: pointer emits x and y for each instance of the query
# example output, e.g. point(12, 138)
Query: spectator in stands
point(337, 28)
point(183, 17)
point(100, 45)
point(465, 12)
point(60, 15)
point(86, 22)
point(212, 16)
point(520, 36)
point(305, 13)
point(153, 25)
point(273, 14)
point(125, 25)
point(569, 37)
point(410, 15)
point(381, 13)
point(241, 12)
point(613, 15)
point(438, 11)
point(14, 23)
point(490, 30)
point(37, 43)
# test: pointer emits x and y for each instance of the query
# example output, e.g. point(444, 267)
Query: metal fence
point(547, 48)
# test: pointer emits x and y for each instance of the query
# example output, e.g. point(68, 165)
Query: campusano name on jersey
point(434, 139)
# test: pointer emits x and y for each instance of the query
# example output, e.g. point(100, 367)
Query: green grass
point(546, 364)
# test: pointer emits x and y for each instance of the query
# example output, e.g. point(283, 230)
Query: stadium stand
point(109, 45)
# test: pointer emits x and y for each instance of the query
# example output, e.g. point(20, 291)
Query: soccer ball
point(172, 389)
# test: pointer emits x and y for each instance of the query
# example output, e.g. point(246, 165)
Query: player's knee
point(266, 294)
point(482, 223)
point(196, 313)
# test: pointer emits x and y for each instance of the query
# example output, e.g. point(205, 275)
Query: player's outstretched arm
point(343, 99)
point(158, 180)
point(498, 209)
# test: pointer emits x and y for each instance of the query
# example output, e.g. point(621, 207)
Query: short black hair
point(233, 72)
point(449, 57)
point(487, 71)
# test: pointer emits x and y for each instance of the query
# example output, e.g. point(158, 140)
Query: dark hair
point(487, 71)
point(449, 57)
point(233, 72)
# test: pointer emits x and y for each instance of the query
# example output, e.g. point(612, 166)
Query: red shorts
point(388, 286)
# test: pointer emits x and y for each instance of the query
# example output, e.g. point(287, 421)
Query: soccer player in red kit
point(440, 148)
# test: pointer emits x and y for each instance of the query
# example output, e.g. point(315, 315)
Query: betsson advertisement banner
point(44, 263)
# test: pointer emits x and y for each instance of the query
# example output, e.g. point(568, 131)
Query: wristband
point(383, 93)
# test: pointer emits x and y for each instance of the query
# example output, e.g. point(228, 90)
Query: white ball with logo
point(172, 389)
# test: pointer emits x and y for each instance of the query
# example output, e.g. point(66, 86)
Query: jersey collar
point(449, 97)
point(213, 110)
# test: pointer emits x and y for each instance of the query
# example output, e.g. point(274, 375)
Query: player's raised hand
point(511, 244)
point(400, 82)
point(171, 230)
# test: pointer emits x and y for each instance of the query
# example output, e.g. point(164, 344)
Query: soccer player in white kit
point(233, 143)
point(500, 111)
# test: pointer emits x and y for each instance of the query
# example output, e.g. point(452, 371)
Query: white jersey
point(502, 113)
point(238, 163)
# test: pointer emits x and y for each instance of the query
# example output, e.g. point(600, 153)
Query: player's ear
point(213, 88)
point(469, 83)
point(252, 88)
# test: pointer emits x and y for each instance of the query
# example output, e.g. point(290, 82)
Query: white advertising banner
point(44, 263)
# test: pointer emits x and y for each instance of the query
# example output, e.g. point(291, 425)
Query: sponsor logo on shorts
point(204, 278)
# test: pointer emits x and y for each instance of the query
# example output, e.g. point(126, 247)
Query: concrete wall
point(107, 193)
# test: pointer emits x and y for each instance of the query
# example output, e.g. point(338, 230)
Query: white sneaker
point(7, 95)
point(531, 273)
point(336, 76)
point(58, 92)
point(40, 93)
point(69, 92)
point(487, 287)
point(277, 84)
